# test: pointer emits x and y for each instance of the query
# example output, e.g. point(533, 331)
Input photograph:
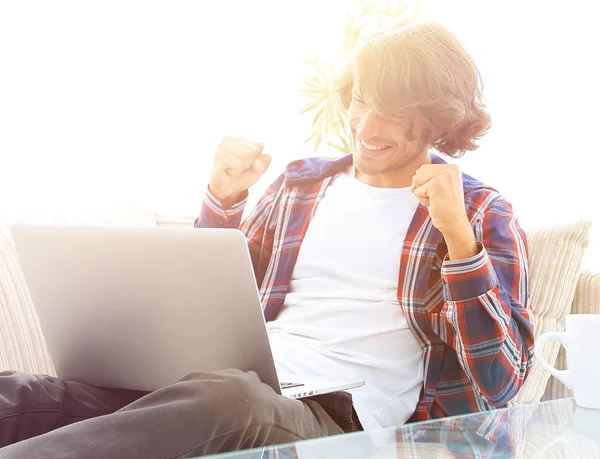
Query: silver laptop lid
point(140, 308)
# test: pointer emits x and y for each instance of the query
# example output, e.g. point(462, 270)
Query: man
point(387, 265)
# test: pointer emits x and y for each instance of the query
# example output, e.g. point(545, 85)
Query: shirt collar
point(315, 169)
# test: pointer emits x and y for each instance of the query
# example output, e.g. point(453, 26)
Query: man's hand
point(439, 188)
point(238, 165)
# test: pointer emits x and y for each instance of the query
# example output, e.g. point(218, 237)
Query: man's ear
point(418, 127)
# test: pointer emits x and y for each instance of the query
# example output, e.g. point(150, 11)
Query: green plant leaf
point(308, 107)
point(321, 83)
point(312, 91)
point(341, 147)
point(318, 115)
point(312, 84)
point(318, 139)
point(310, 137)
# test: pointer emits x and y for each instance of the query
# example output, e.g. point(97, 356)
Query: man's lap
point(203, 413)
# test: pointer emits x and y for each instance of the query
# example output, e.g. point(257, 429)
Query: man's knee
point(233, 397)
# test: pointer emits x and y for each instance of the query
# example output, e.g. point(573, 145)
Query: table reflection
point(555, 429)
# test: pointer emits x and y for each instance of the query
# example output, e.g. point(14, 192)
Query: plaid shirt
point(471, 317)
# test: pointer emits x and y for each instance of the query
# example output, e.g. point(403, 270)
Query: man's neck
point(397, 178)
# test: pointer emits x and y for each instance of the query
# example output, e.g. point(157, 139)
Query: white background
point(126, 100)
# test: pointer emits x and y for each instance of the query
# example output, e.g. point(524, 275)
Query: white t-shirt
point(341, 317)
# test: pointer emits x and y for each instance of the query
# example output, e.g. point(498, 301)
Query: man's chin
point(367, 166)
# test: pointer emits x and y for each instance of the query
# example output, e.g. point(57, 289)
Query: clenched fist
point(238, 165)
point(439, 187)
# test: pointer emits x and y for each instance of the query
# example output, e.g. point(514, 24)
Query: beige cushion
point(22, 345)
point(555, 256)
point(587, 294)
point(587, 301)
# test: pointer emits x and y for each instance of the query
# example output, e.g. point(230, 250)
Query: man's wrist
point(460, 240)
point(227, 201)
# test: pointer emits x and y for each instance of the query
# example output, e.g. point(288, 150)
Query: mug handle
point(564, 376)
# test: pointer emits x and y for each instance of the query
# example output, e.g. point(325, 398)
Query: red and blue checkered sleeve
point(212, 215)
point(486, 304)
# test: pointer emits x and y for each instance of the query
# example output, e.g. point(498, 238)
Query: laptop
point(140, 308)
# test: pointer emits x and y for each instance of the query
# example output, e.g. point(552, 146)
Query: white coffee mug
point(581, 340)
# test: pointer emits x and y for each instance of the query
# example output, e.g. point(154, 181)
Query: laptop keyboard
point(287, 385)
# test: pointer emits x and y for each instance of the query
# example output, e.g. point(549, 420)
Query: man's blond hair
point(420, 69)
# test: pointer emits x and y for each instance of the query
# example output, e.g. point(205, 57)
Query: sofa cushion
point(555, 256)
point(22, 345)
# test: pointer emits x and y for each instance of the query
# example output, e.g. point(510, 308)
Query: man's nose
point(369, 125)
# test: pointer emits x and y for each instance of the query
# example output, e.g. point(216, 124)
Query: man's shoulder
point(479, 196)
point(471, 185)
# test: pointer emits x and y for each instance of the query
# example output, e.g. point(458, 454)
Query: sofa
point(557, 287)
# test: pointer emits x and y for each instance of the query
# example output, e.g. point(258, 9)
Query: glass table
point(553, 429)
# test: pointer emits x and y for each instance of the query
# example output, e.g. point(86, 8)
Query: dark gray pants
point(44, 417)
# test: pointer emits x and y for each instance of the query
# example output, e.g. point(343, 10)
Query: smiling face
point(384, 148)
point(408, 89)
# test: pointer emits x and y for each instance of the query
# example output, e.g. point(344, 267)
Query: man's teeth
point(373, 147)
